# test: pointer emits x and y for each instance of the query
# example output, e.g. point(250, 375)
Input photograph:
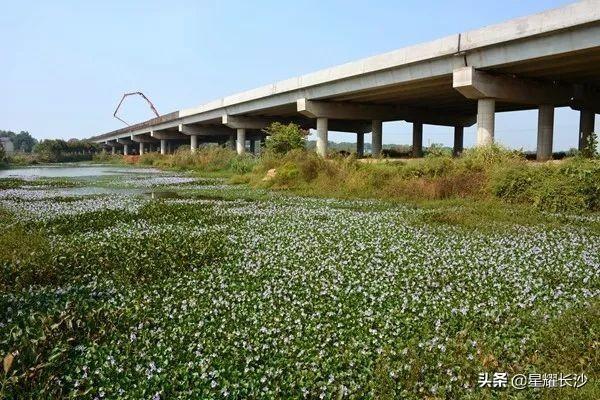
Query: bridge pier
point(376, 137)
point(486, 110)
point(193, 143)
point(114, 150)
point(545, 132)
point(322, 127)
point(163, 146)
point(360, 144)
point(587, 119)
point(241, 141)
point(458, 141)
point(258, 145)
point(125, 149)
point(231, 142)
point(417, 137)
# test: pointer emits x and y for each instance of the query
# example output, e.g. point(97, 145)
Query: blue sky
point(65, 64)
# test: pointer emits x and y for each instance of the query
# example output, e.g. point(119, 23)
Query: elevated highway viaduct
point(541, 61)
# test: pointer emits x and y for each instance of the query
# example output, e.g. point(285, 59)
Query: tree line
point(48, 150)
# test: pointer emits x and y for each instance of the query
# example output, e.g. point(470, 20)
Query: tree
point(2, 155)
point(51, 149)
point(24, 142)
point(283, 138)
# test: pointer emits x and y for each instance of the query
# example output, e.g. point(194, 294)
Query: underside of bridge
point(541, 62)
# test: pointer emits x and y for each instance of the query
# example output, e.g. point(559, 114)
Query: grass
point(211, 161)
point(480, 175)
point(224, 291)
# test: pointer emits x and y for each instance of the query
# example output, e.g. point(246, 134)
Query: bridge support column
point(241, 141)
point(258, 146)
point(376, 137)
point(141, 148)
point(193, 143)
point(252, 146)
point(417, 145)
point(322, 130)
point(360, 144)
point(231, 142)
point(458, 141)
point(486, 110)
point(125, 150)
point(163, 146)
point(114, 150)
point(586, 127)
point(545, 132)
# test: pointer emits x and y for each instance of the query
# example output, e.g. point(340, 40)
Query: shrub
point(483, 173)
point(284, 138)
point(590, 149)
point(242, 164)
point(571, 186)
point(484, 158)
point(149, 158)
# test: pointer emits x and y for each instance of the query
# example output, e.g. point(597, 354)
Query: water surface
point(71, 171)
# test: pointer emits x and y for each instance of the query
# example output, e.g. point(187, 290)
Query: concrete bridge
point(542, 61)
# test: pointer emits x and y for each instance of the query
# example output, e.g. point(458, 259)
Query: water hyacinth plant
point(225, 292)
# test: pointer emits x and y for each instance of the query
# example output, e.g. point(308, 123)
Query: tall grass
point(482, 173)
point(210, 159)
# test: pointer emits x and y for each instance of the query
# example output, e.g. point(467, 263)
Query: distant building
point(7, 145)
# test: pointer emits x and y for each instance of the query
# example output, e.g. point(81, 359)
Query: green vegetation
point(23, 142)
point(65, 151)
point(207, 160)
point(282, 138)
point(28, 150)
point(480, 174)
point(221, 291)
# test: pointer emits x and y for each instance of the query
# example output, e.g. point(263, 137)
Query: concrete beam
point(167, 135)
point(474, 84)
point(205, 130)
point(586, 98)
point(243, 122)
point(340, 125)
point(125, 142)
point(381, 112)
point(341, 110)
point(143, 138)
